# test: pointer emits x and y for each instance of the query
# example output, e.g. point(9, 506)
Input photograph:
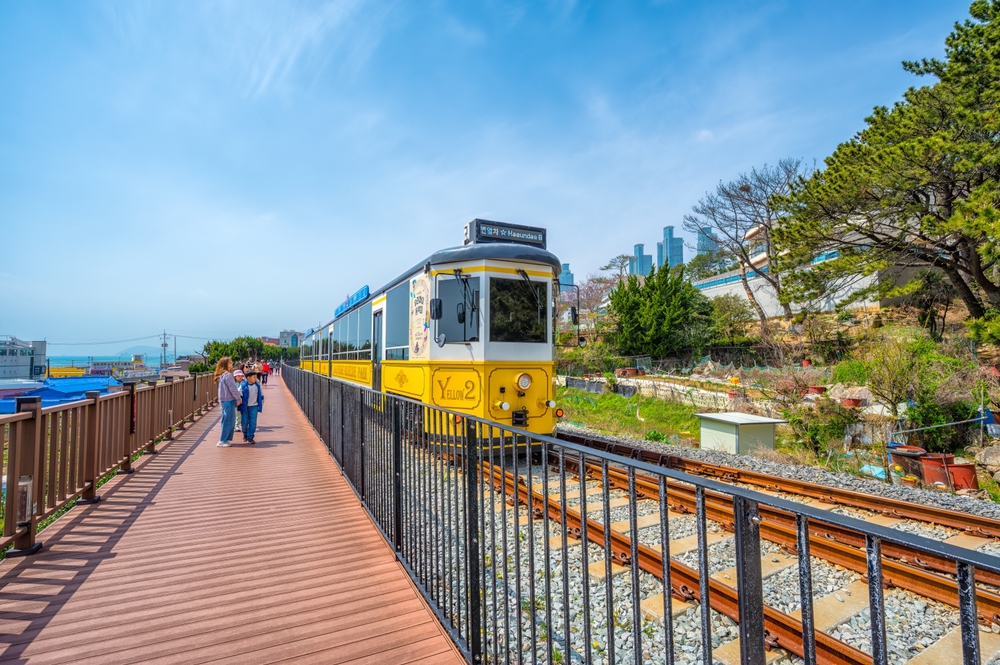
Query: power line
point(115, 341)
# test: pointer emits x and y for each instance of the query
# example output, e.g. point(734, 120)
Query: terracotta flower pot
point(733, 394)
point(850, 402)
point(806, 362)
point(631, 371)
point(817, 390)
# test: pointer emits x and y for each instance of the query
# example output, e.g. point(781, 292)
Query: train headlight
point(503, 406)
point(523, 381)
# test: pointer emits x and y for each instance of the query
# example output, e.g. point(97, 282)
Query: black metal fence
point(534, 550)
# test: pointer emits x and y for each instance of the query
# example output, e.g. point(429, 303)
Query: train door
point(377, 350)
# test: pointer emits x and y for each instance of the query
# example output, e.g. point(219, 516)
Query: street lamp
point(574, 315)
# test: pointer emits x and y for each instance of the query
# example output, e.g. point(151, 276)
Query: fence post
point(170, 408)
point(126, 465)
point(29, 449)
point(152, 417)
point(90, 444)
point(472, 539)
point(749, 580)
point(397, 478)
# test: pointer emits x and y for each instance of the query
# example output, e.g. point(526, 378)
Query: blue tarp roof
point(59, 391)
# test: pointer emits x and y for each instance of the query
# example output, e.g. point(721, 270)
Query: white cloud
point(704, 135)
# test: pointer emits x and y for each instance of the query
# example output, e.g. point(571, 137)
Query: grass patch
point(640, 417)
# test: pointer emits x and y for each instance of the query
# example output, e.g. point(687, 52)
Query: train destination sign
point(359, 296)
point(483, 230)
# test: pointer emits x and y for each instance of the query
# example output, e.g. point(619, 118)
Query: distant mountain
point(151, 352)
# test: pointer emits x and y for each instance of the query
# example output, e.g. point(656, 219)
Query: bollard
point(29, 452)
point(90, 444)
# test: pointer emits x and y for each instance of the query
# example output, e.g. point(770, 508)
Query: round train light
point(560, 413)
point(503, 406)
point(523, 381)
point(551, 403)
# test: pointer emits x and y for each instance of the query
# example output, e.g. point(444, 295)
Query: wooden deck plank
point(249, 554)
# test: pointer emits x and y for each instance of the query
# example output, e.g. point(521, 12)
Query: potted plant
point(850, 402)
point(817, 390)
point(807, 362)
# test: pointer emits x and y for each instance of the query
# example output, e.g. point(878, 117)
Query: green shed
point(733, 432)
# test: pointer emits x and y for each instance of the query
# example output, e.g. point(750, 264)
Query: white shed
point(733, 432)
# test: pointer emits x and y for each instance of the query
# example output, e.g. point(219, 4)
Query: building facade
point(20, 359)
point(566, 279)
point(290, 338)
point(707, 242)
point(641, 263)
point(671, 250)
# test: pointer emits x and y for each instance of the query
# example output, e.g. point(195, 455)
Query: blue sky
point(219, 168)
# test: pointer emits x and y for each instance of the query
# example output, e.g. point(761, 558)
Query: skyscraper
point(671, 250)
point(641, 264)
point(707, 242)
point(566, 278)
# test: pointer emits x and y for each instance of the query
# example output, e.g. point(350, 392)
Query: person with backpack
point(265, 370)
point(253, 402)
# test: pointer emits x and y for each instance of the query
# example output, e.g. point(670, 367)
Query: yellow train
point(470, 329)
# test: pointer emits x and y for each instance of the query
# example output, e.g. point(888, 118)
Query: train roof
point(496, 251)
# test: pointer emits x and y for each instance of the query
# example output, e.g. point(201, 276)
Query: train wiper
point(531, 289)
point(467, 295)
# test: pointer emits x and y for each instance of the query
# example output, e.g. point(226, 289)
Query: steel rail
point(965, 522)
point(782, 630)
point(830, 542)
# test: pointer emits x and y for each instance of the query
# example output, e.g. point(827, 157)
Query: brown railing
point(58, 454)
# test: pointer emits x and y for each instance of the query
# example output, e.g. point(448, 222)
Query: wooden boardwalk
point(249, 554)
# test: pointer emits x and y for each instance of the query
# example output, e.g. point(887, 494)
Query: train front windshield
point(518, 310)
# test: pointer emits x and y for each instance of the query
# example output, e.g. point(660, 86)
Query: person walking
point(253, 403)
point(229, 397)
point(264, 371)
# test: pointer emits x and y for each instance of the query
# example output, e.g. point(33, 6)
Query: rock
point(989, 456)
point(996, 476)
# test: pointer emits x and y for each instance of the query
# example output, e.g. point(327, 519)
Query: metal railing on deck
point(57, 454)
point(493, 541)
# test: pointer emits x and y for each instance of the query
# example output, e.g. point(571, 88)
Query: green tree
point(732, 314)
point(660, 314)
point(707, 264)
point(619, 263)
point(917, 186)
point(891, 366)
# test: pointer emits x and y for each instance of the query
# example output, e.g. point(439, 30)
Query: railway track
point(924, 575)
point(783, 630)
point(973, 525)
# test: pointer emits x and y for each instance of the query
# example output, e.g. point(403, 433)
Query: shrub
point(928, 410)
point(821, 425)
point(850, 371)
point(197, 367)
point(655, 435)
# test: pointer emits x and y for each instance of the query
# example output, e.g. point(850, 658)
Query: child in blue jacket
point(253, 403)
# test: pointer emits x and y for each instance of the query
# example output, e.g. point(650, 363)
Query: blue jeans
point(228, 420)
point(250, 422)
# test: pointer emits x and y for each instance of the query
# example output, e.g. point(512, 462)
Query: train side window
point(352, 333)
point(397, 323)
point(365, 328)
point(459, 320)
